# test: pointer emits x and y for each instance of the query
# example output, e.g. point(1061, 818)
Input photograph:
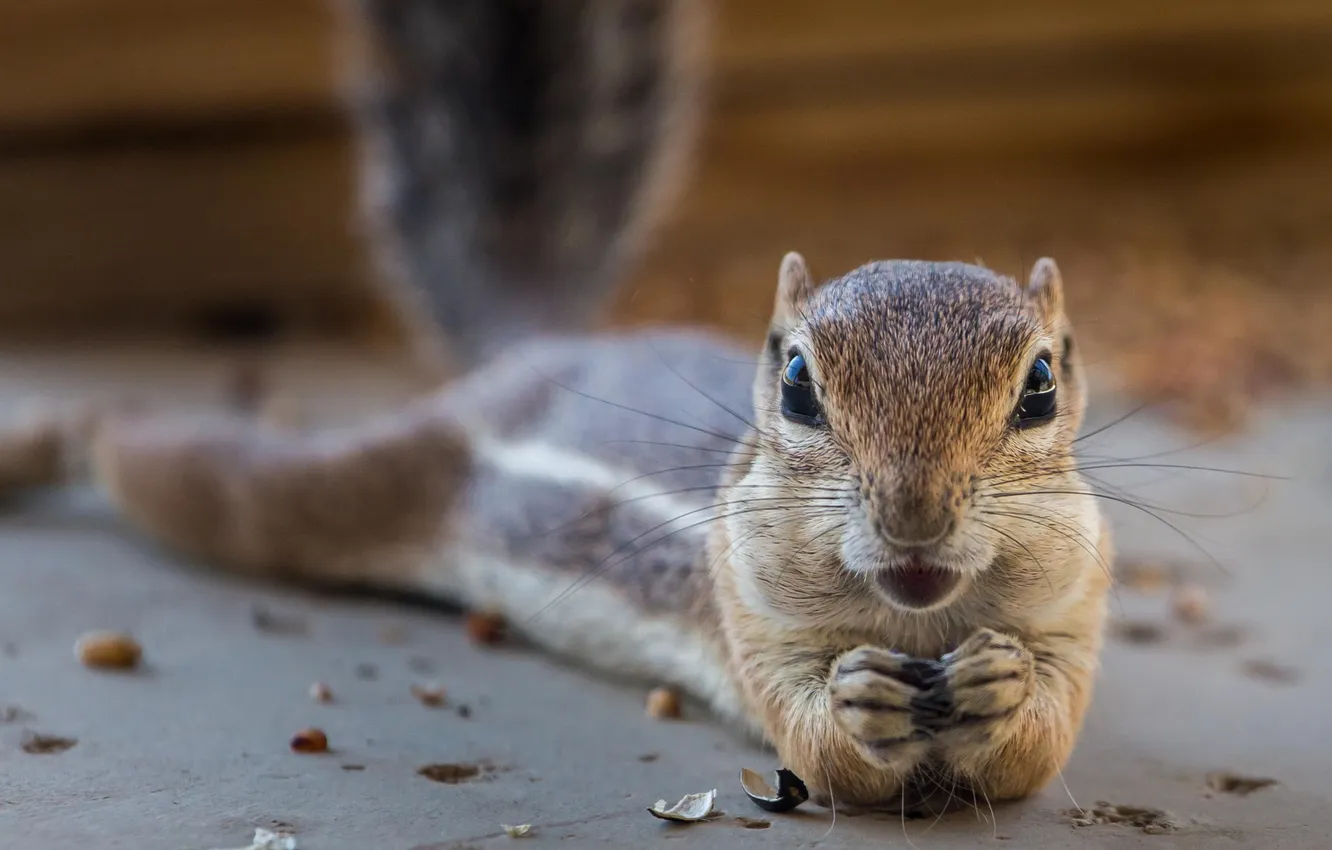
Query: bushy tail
point(324, 506)
point(517, 152)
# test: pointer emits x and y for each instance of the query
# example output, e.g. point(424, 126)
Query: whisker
point(1071, 531)
point(815, 495)
point(1112, 497)
point(810, 542)
point(1136, 506)
point(606, 563)
point(672, 446)
point(1239, 473)
point(743, 420)
point(1119, 421)
point(1071, 534)
point(1025, 548)
point(718, 435)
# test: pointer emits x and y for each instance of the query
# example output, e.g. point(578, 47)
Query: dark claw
point(935, 699)
point(921, 673)
point(934, 708)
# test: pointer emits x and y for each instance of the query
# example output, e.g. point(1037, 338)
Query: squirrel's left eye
point(799, 403)
point(1038, 396)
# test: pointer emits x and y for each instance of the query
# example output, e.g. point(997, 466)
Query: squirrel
point(516, 155)
point(873, 550)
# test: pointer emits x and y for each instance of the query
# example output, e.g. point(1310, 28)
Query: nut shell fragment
point(788, 793)
point(429, 695)
point(691, 808)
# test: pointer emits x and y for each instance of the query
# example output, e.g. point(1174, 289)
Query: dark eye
point(798, 401)
point(1038, 396)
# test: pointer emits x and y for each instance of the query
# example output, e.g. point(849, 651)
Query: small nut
point(431, 695)
point(663, 704)
point(1146, 577)
point(309, 741)
point(1190, 604)
point(485, 627)
point(319, 692)
point(108, 651)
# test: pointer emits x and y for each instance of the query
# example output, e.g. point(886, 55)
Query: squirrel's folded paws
point(889, 701)
point(985, 683)
point(882, 699)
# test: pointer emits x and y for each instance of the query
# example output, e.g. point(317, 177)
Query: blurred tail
point(516, 153)
point(327, 507)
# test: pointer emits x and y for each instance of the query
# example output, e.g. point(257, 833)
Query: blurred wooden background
point(159, 157)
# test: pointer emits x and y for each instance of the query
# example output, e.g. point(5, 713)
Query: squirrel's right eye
point(798, 401)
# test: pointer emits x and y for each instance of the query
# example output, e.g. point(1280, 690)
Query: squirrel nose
point(913, 525)
point(917, 513)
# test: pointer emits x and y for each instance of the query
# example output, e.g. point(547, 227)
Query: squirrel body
point(872, 549)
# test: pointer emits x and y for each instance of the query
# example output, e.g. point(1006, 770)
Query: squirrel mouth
point(918, 584)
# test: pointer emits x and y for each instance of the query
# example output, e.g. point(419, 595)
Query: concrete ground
point(192, 752)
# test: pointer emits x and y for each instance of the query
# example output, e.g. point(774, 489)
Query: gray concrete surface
point(192, 751)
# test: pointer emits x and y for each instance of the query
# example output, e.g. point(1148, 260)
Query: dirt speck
point(1270, 671)
point(456, 773)
point(752, 823)
point(1234, 783)
point(277, 624)
point(13, 714)
point(1139, 631)
point(648, 758)
point(353, 767)
point(420, 664)
point(1218, 637)
point(38, 744)
point(1149, 820)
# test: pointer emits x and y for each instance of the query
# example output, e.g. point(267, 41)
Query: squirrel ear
point(1046, 287)
point(794, 286)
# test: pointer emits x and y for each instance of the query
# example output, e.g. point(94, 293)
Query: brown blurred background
point(186, 163)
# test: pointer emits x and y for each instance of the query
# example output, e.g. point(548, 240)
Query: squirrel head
point(913, 413)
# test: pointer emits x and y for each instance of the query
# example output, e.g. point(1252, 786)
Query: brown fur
point(620, 499)
point(919, 368)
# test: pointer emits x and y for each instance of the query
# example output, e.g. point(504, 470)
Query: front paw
point(985, 683)
point(886, 701)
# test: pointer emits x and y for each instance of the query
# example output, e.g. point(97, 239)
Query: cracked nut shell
point(788, 793)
